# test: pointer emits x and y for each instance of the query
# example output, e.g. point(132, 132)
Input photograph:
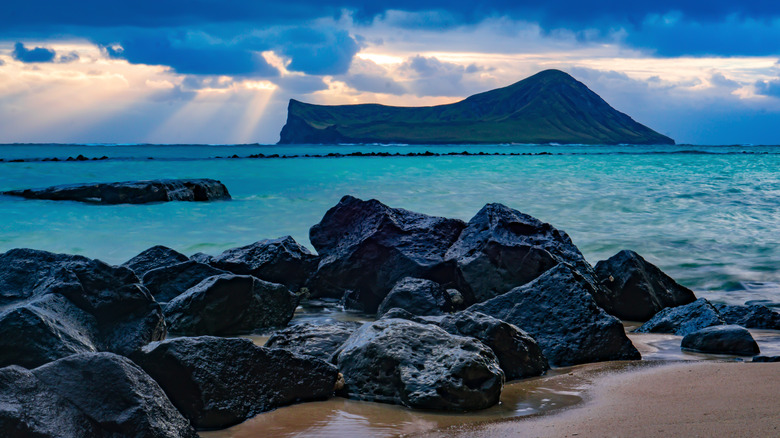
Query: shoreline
point(676, 399)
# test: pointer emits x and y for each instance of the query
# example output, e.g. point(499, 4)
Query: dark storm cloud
point(317, 52)
point(37, 54)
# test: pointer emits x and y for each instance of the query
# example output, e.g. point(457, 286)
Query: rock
point(638, 288)
point(168, 282)
point(131, 192)
point(518, 353)
point(419, 366)
point(417, 296)
point(558, 311)
point(88, 394)
point(766, 359)
point(218, 382)
point(683, 319)
point(202, 258)
point(230, 304)
point(155, 257)
point(755, 316)
point(54, 305)
point(502, 248)
point(280, 260)
point(366, 247)
point(721, 339)
point(316, 340)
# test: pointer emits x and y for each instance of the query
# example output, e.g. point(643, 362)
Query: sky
point(223, 71)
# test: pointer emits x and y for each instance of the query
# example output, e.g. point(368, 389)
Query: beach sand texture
point(695, 399)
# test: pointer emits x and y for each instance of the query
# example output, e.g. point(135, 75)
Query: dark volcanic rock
point(89, 394)
point(131, 192)
point(280, 260)
point(721, 339)
point(366, 247)
point(53, 305)
point(502, 248)
point(518, 353)
point(168, 282)
point(419, 366)
point(558, 311)
point(155, 257)
point(201, 257)
point(218, 382)
point(683, 319)
point(230, 304)
point(755, 316)
point(638, 288)
point(417, 296)
point(317, 340)
point(766, 359)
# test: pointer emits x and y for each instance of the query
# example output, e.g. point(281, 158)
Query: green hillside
point(549, 107)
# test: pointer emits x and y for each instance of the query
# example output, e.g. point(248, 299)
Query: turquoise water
point(707, 215)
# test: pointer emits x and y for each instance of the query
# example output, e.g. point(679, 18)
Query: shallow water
point(707, 215)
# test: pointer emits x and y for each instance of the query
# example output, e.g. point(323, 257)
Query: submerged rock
point(683, 319)
point(558, 311)
point(365, 247)
point(316, 340)
point(417, 296)
point(280, 260)
point(419, 366)
point(721, 339)
point(54, 305)
point(155, 257)
point(638, 288)
point(218, 382)
point(502, 248)
point(131, 192)
point(754, 316)
point(89, 394)
point(230, 304)
point(168, 282)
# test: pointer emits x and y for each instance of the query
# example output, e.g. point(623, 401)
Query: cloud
point(429, 76)
point(317, 51)
point(37, 54)
point(768, 88)
point(68, 57)
point(300, 84)
point(187, 57)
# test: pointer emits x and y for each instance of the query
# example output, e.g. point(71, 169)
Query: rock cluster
point(131, 192)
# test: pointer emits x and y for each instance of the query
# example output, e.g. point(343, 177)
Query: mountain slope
point(549, 107)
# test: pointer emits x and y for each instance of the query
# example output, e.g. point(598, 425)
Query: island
point(548, 107)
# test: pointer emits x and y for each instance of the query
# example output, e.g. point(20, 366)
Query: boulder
point(419, 366)
point(559, 312)
point(721, 339)
point(280, 260)
point(316, 340)
point(201, 257)
point(168, 282)
point(54, 305)
point(365, 247)
point(131, 192)
point(755, 316)
point(218, 382)
point(417, 296)
point(682, 320)
point(638, 289)
point(230, 304)
point(766, 359)
point(502, 248)
point(88, 394)
point(518, 353)
point(155, 257)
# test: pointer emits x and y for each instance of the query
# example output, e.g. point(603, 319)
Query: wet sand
point(705, 399)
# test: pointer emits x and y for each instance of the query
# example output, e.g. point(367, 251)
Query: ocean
point(707, 215)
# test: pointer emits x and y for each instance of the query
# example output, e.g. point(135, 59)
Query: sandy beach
point(702, 399)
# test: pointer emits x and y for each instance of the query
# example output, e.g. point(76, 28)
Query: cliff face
point(549, 107)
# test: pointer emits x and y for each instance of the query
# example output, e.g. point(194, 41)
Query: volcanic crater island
point(548, 107)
